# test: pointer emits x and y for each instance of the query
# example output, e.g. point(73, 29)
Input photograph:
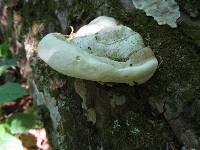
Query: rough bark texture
point(163, 113)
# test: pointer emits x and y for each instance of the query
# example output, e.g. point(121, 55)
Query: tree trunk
point(162, 113)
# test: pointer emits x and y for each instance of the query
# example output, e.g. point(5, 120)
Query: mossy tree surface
point(81, 114)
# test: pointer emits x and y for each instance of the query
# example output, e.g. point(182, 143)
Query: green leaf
point(21, 122)
point(8, 62)
point(2, 69)
point(1, 111)
point(7, 141)
point(4, 64)
point(4, 49)
point(11, 91)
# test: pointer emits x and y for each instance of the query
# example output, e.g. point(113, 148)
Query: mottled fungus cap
point(100, 51)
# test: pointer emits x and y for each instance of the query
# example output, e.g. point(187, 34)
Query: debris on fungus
point(100, 51)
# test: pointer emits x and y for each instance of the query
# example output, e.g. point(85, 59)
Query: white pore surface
point(95, 56)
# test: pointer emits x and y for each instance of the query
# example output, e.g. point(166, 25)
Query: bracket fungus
point(102, 51)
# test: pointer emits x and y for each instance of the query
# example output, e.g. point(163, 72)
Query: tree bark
point(161, 114)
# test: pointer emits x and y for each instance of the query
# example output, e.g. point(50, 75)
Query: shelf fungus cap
point(107, 53)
